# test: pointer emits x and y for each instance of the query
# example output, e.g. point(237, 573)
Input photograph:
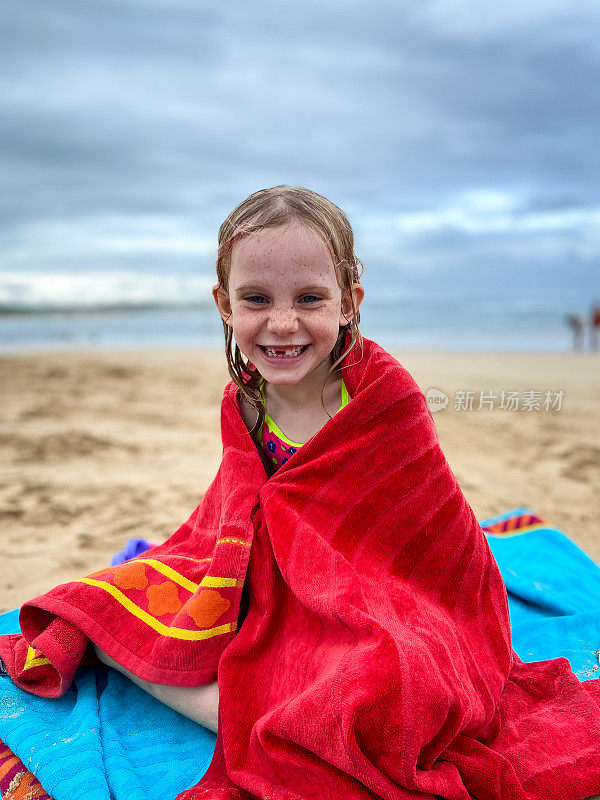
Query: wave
point(97, 291)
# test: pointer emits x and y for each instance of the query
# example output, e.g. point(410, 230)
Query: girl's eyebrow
point(252, 287)
point(248, 287)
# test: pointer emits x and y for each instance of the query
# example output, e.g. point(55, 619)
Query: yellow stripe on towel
point(169, 572)
point(160, 627)
point(31, 661)
point(216, 582)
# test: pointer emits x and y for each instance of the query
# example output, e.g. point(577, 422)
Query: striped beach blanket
point(16, 781)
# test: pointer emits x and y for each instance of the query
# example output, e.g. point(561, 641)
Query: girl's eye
point(258, 299)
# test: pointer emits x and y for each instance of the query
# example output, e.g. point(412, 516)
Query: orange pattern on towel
point(163, 598)
point(131, 576)
point(206, 608)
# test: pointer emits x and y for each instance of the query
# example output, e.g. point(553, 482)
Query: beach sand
point(102, 446)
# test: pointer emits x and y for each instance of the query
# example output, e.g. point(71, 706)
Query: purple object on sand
point(133, 548)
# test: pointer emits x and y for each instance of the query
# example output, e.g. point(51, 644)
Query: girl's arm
point(200, 703)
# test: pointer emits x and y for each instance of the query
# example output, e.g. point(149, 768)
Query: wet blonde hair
point(274, 208)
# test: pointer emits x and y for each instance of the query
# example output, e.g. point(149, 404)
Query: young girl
point(288, 291)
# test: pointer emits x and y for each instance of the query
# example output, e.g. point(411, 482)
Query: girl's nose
point(282, 320)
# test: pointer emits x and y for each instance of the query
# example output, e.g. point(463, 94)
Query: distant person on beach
point(595, 327)
point(577, 324)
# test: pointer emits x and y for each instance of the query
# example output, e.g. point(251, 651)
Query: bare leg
point(200, 703)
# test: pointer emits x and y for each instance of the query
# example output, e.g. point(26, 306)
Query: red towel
point(375, 660)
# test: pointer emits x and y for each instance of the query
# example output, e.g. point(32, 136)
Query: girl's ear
point(223, 303)
point(358, 293)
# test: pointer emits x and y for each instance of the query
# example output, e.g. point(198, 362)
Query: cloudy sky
point(461, 136)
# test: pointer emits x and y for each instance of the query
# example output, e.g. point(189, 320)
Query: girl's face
point(285, 303)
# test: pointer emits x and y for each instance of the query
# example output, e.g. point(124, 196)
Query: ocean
point(134, 309)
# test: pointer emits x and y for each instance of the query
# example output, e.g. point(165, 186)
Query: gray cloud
point(174, 111)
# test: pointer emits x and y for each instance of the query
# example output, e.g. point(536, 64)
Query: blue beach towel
point(553, 592)
point(106, 739)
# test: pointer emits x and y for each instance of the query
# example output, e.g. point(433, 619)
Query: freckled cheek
point(323, 323)
point(325, 329)
point(244, 325)
point(245, 318)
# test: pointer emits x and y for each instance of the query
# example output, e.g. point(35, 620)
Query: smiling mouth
point(284, 352)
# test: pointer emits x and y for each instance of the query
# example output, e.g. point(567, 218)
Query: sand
point(101, 446)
